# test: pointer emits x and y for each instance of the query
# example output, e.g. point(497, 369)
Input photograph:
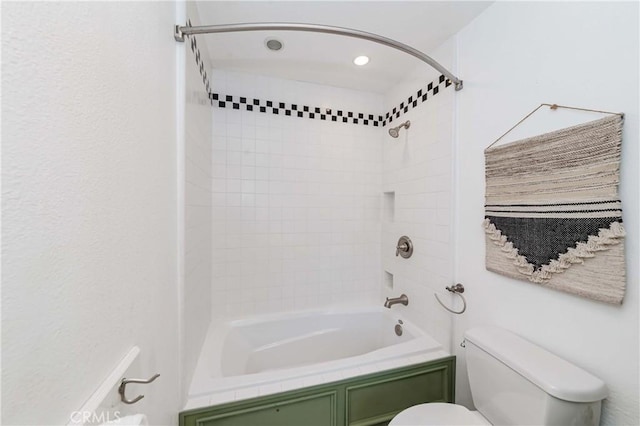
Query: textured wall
point(88, 204)
point(512, 58)
point(417, 169)
point(296, 216)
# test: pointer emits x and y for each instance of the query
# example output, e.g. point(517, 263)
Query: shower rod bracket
point(179, 32)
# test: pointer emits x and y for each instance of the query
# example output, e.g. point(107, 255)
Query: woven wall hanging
point(552, 211)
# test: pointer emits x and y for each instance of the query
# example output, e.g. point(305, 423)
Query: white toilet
point(514, 382)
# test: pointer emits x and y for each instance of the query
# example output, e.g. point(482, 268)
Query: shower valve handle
point(402, 247)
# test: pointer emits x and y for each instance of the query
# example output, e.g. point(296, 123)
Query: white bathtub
point(273, 353)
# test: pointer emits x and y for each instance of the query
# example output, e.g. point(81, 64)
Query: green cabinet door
point(315, 410)
point(378, 401)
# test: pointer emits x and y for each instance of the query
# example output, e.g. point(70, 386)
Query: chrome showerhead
point(395, 131)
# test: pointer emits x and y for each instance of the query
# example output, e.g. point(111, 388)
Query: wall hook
point(125, 382)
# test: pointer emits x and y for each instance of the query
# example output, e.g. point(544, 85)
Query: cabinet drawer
point(378, 401)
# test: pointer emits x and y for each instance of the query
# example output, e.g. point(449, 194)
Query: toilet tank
point(514, 382)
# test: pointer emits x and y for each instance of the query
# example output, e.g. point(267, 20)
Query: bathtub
point(253, 357)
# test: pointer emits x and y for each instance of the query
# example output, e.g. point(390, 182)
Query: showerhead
point(395, 131)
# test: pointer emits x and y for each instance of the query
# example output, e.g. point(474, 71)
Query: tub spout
point(403, 299)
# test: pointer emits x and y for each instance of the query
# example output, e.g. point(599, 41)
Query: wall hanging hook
point(554, 107)
point(125, 382)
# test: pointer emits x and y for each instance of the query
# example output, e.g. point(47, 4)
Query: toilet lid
point(438, 413)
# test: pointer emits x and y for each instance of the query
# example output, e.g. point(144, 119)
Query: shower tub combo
point(355, 367)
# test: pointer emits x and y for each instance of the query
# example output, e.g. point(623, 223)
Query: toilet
point(514, 382)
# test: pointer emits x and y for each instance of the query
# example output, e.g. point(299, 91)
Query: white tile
point(292, 385)
point(351, 372)
point(222, 397)
point(311, 190)
point(270, 389)
point(248, 186)
point(316, 379)
point(234, 128)
point(200, 402)
point(246, 393)
point(331, 377)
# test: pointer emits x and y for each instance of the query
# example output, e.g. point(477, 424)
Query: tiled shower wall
point(417, 182)
point(296, 201)
point(197, 193)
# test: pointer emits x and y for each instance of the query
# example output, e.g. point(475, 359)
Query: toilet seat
point(438, 413)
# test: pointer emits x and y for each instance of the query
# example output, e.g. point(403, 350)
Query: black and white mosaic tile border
point(329, 114)
point(294, 110)
point(199, 61)
point(422, 95)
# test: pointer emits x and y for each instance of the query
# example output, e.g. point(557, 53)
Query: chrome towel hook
point(456, 289)
point(125, 382)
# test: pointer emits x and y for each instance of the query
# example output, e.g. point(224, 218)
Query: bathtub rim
point(205, 381)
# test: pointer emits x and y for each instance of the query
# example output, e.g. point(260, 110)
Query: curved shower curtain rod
point(180, 31)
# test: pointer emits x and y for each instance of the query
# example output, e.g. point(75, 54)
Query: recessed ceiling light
point(273, 44)
point(361, 60)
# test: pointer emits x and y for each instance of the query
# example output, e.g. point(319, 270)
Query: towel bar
point(456, 289)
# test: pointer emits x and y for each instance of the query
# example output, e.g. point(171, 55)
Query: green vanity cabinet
point(369, 400)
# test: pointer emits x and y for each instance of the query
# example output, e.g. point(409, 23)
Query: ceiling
point(328, 59)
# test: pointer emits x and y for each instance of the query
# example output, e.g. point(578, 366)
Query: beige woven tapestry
point(552, 211)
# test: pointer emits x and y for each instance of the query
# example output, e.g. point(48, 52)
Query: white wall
point(512, 58)
point(196, 314)
point(417, 168)
point(296, 216)
point(89, 204)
